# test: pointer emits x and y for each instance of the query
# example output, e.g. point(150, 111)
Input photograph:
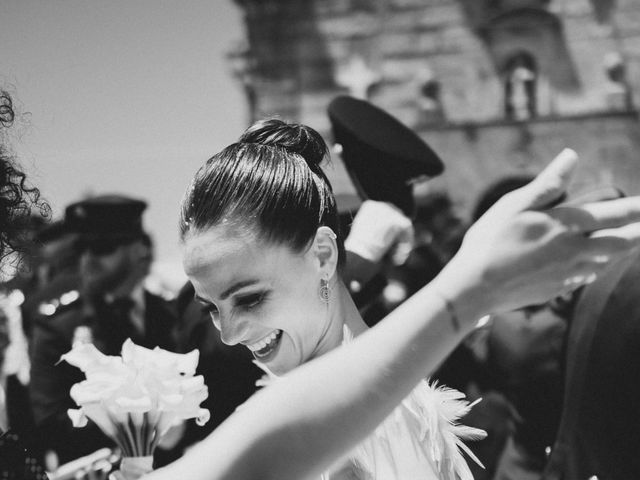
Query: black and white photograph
point(319, 239)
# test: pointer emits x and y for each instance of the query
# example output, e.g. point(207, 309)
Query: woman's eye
point(211, 310)
point(250, 301)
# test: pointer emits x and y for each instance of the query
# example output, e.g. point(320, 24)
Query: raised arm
point(521, 252)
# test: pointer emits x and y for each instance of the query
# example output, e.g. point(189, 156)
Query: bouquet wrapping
point(137, 397)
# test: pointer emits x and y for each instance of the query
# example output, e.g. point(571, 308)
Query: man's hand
point(380, 229)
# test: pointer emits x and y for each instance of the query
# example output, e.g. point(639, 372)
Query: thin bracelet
point(453, 316)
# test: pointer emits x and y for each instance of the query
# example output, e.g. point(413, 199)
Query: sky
point(121, 96)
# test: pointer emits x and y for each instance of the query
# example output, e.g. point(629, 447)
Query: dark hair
point(17, 199)
point(270, 179)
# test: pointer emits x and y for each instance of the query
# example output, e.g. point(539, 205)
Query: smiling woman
point(521, 252)
point(253, 299)
point(263, 250)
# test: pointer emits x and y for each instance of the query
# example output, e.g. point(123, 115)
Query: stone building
point(496, 87)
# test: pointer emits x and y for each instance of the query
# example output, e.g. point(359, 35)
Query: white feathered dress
point(420, 440)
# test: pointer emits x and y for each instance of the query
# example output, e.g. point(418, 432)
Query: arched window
point(531, 58)
point(520, 82)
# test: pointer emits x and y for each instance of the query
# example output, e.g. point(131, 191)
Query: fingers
point(599, 255)
point(610, 214)
point(606, 248)
point(551, 184)
point(629, 234)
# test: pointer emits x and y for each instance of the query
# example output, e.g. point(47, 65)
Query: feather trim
point(431, 412)
point(423, 430)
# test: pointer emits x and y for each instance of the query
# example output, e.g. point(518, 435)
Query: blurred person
point(517, 357)
point(438, 225)
point(523, 356)
point(597, 433)
point(111, 306)
point(57, 252)
point(19, 202)
point(383, 159)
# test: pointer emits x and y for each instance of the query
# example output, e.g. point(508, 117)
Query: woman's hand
point(527, 248)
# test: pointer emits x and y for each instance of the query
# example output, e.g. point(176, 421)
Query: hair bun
point(293, 137)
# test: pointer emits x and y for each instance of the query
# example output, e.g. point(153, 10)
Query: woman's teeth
point(265, 344)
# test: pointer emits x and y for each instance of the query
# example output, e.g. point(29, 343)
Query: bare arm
point(518, 254)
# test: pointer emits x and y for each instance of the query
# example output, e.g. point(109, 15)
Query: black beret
point(381, 154)
point(106, 217)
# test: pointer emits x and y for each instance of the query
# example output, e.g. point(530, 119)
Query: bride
point(262, 248)
point(259, 226)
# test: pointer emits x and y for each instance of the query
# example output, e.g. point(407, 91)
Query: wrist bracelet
point(453, 316)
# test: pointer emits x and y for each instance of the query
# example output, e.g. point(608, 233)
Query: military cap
point(106, 217)
point(381, 154)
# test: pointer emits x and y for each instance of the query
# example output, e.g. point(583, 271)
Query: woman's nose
point(232, 330)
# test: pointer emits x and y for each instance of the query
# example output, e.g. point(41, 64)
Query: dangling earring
point(325, 290)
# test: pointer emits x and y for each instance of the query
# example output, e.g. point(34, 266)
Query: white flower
point(136, 398)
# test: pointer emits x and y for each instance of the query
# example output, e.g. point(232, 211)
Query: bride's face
point(261, 295)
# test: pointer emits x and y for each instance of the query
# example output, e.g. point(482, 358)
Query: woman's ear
point(325, 250)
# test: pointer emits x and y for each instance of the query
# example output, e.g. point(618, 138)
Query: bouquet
point(136, 398)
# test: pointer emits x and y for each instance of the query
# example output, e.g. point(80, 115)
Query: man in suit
point(599, 431)
point(111, 306)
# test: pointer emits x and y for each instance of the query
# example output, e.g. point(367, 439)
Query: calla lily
point(84, 356)
point(193, 384)
point(183, 363)
point(136, 398)
point(130, 405)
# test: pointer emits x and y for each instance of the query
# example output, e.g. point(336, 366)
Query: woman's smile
point(267, 347)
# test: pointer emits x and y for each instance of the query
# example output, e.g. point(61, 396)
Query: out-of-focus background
point(134, 96)
point(121, 96)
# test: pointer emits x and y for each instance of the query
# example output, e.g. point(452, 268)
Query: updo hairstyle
point(271, 181)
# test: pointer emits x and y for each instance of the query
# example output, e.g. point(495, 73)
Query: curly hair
point(18, 200)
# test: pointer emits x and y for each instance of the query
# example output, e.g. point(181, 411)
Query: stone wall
point(459, 52)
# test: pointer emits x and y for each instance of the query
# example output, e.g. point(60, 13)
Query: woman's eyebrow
point(229, 291)
point(237, 286)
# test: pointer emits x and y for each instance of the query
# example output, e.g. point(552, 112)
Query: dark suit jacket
point(600, 428)
point(51, 381)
